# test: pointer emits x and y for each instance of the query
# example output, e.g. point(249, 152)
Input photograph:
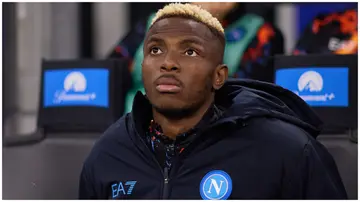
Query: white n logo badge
point(216, 186)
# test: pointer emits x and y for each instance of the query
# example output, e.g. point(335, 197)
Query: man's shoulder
point(274, 132)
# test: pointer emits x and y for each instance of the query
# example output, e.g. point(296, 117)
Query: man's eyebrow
point(187, 40)
point(154, 39)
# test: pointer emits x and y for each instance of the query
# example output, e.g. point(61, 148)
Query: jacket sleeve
point(86, 185)
point(313, 175)
point(322, 177)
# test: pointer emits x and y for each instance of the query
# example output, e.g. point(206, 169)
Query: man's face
point(180, 63)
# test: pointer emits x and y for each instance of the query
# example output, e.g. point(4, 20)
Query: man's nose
point(170, 63)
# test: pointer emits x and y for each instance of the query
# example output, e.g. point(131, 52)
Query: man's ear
point(221, 75)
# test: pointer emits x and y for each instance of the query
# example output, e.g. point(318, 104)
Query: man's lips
point(168, 85)
point(168, 88)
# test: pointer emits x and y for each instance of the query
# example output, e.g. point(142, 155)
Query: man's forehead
point(179, 26)
point(177, 21)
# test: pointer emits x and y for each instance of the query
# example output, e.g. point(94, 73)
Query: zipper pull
point(166, 184)
point(166, 175)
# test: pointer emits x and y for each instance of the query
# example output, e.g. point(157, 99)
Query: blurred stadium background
point(33, 32)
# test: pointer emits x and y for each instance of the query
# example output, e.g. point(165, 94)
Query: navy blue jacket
point(262, 147)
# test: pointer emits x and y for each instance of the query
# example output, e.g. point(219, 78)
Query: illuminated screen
point(76, 87)
point(319, 87)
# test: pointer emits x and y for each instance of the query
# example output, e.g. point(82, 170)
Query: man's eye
point(191, 52)
point(155, 51)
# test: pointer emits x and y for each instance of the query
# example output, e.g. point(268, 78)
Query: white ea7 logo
point(216, 185)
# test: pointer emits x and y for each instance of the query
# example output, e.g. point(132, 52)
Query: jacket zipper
point(165, 194)
point(165, 172)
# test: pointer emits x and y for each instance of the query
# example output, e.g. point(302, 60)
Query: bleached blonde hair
point(191, 11)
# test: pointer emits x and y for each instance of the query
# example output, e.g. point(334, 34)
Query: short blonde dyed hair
point(190, 11)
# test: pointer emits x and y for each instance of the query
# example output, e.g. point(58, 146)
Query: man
point(249, 38)
point(330, 33)
point(193, 136)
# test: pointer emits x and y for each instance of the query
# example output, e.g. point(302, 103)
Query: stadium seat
point(46, 170)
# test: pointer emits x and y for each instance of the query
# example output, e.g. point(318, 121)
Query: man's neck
point(172, 128)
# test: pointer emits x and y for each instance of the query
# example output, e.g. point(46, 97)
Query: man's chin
point(168, 103)
point(173, 111)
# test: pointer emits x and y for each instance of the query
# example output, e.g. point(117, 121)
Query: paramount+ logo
point(320, 87)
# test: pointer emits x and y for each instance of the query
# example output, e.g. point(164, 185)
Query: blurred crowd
point(251, 40)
